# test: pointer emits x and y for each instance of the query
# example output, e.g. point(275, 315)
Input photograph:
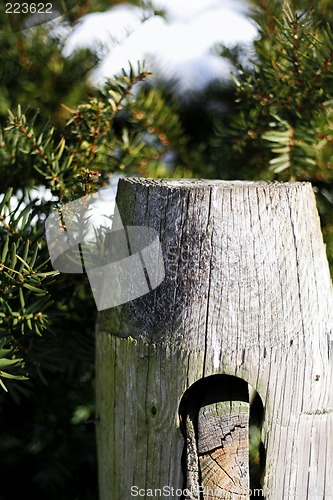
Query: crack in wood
point(217, 439)
point(224, 438)
point(319, 411)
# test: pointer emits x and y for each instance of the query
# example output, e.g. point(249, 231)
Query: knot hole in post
point(223, 457)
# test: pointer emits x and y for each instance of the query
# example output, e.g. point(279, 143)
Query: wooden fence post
point(247, 293)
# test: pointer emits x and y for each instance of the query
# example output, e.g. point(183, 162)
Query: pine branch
point(288, 90)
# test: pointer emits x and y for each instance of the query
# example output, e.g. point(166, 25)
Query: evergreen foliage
point(287, 97)
point(126, 128)
point(35, 74)
point(275, 121)
point(284, 115)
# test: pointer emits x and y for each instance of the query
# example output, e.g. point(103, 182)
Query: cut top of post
point(242, 264)
point(209, 183)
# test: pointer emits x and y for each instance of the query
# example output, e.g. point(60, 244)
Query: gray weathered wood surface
point(247, 292)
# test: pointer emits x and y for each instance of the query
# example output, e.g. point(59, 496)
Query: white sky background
point(176, 47)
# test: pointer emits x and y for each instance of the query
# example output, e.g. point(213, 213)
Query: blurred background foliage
point(34, 73)
point(63, 139)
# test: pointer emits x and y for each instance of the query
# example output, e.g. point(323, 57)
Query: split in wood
point(215, 417)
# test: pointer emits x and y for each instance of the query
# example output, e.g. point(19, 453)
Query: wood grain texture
point(223, 449)
point(247, 292)
point(216, 412)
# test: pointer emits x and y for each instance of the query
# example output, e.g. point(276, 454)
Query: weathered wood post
point(247, 293)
